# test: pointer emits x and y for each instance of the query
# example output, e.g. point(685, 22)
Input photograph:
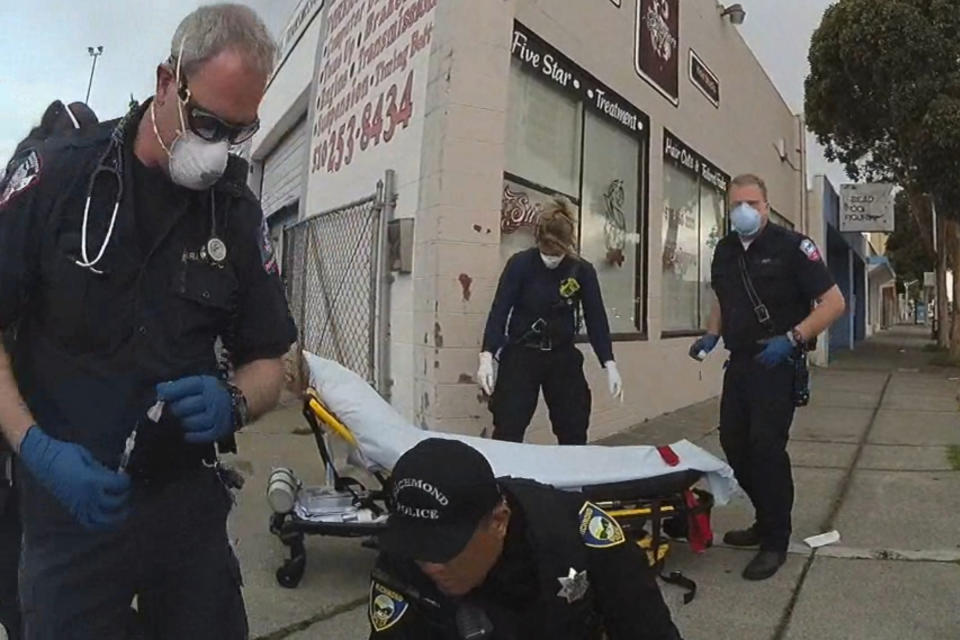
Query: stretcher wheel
point(290, 574)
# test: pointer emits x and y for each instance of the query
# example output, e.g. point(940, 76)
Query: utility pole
point(94, 53)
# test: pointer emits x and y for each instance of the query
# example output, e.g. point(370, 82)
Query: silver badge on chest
point(573, 586)
point(216, 249)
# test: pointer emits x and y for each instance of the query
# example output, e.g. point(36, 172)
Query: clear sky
point(779, 33)
point(44, 53)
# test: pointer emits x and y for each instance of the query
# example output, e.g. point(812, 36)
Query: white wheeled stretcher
point(643, 487)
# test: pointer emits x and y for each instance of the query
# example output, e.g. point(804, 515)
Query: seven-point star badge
point(573, 586)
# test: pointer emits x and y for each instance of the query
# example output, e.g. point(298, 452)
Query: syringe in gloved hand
point(153, 414)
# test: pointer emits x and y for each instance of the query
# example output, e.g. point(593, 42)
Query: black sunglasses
point(211, 127)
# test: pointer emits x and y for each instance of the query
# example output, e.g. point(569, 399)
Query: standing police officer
point(58, 120)
point(766, 279)
point(535, 318)
point(468, 556)
point(124, 257)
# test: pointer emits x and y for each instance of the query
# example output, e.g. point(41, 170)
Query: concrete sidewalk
point(871, 459)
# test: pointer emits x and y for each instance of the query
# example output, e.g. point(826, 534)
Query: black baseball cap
point(441, 489)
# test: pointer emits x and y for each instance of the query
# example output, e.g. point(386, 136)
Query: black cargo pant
point(559, 372)
point(172, 553)
point(756, 410)
point(9, 554)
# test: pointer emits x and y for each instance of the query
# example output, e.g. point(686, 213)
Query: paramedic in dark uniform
point(464, 552)
point(535, 320)
point(125, 256)
point(788, 275)
point(58, 120)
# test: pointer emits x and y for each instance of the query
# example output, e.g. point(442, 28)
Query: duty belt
point(537, 337)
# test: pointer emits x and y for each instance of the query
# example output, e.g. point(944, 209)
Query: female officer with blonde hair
point(533, 323)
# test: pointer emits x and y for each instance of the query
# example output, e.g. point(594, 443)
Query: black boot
point(764, 565)
point(742, 537)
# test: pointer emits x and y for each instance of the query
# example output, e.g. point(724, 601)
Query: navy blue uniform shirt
point(91, 347)
point(788, 273)
point(528, 291)
point(549, 535)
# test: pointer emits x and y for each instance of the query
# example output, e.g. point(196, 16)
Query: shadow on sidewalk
point(901, 347)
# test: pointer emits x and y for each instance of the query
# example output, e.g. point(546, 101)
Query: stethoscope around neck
point(110, 163)
point(114, 169)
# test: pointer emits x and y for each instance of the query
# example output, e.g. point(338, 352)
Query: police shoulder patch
point(23, 177)
point(809, 249)
point(598, 529)
point(386, 607)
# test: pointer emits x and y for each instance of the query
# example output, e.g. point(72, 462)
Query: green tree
point(883, 97)
point(883, 88)
point(908, 253)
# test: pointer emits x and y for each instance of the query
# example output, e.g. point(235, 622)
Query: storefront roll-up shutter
point(283, 170)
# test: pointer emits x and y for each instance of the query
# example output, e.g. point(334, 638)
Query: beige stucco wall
point(457, 237)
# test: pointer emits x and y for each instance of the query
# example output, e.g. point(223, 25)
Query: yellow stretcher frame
point(327, 418)
point(626, 514)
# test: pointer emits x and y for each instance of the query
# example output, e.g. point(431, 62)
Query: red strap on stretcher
point(699, 533)
point(669, 456)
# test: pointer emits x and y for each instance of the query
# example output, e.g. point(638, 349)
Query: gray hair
point(750, 180)
point(213, 28)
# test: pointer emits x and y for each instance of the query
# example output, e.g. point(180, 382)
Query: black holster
point(6, 480)
point(801, 379)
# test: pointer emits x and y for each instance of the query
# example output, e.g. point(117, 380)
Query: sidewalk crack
point(845, 483)
point(303, 625)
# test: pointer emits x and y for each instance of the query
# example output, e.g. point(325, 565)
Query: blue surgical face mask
point(745, 220)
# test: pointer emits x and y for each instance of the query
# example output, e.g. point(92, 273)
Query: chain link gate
point(335, 266)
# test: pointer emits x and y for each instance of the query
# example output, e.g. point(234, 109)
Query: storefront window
point(569, 135)
point(543, 134)
point(694, 220)
point(609, 237)
point(681, 242)
point(713, 225)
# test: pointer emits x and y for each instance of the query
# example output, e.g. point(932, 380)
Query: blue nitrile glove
point(203, 405)
point(704, 343)
point(94, 495)
point(777, 351)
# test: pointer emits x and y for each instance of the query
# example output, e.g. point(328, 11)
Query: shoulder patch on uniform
point(598, 529)
point(809, 249)
point(24, 176)
point(267, 255)
point(386, 607)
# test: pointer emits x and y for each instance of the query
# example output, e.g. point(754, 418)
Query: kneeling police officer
point(466, 555)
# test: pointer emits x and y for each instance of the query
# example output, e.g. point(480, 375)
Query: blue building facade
point(846, 259)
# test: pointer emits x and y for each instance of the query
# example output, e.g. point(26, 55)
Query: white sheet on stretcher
point(383, 436)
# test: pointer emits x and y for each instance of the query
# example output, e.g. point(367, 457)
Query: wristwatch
point(796, 338)
point(238, 403)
